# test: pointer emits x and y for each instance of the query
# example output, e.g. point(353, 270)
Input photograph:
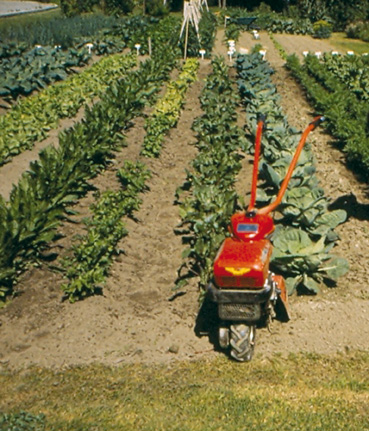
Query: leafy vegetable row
point(305, 235)
point(31, 119)
point(269, 21)
point(207, 198)
point(351, 70)
point(38, 68)
point(28, 222)
point(348, 117)
point(92, 255)
point(167, 110)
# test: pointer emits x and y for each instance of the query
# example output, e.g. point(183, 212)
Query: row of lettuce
point(305, 235)
point(338, 86)
point(24, 68)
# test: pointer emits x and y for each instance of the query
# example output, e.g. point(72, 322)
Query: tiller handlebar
point(251, 210)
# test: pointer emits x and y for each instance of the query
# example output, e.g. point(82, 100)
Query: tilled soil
point(134, 320)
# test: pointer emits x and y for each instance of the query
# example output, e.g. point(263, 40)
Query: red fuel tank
point(242, 264)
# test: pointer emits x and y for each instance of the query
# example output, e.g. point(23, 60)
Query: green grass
point(302, 392)
point(341, 42)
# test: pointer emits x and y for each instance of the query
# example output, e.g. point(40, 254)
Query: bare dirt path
point(134, 321)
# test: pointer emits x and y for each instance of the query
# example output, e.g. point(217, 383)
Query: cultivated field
point(134, 321)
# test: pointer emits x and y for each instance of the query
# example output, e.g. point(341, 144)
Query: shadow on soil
point(350, 204)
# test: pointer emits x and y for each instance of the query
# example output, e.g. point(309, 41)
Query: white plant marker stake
point(318, 54)
point(230, 53)
point(138, 46)
point(202, 53)
point(89, 46)
point(350, 53)
point(256, 34)
point(305, 53)
point(263, 53)
point(226, 18)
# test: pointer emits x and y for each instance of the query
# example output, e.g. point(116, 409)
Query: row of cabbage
point(87, 264)
point(304, 236)
point(38, 68)
point(45, 193)
point(339, 88)
point(208, 198)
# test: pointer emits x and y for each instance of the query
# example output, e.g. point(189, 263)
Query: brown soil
point(133, 320)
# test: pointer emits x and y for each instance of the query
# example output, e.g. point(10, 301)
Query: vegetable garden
point(45, 240)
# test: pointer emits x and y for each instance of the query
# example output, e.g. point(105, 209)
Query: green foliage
point(269, 21)
point(31, 119)
point(347, 115)
point(118, 7)
point(22, 421)
point(350, 70)
point(37, 68)
point(93, 252)
point(278, 24)
point(57, 30)
point(29, 220)
point(314, 10)
point(207, 30)
point(344, 12)
point(74, 7)
point(209, 198)
point(322, 29)
point(156, 8)
point(306, 262)
point(358, 30)
point(305, 230)
point(167, 110)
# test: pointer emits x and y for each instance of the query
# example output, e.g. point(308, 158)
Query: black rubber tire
point(242, 342)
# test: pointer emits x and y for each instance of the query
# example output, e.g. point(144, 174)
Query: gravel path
point(8, 8)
